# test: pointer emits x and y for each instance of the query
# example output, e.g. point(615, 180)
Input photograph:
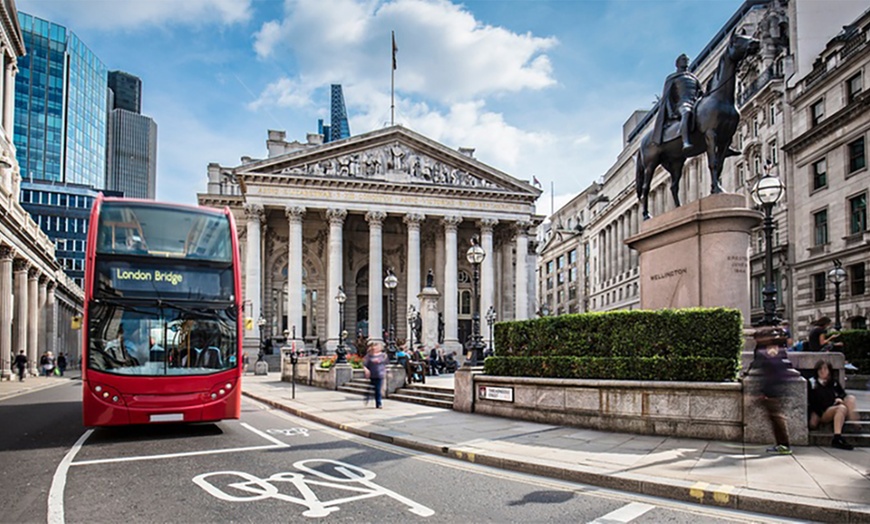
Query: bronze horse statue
point(715, 121)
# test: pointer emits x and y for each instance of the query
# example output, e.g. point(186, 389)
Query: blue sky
point(537, 87)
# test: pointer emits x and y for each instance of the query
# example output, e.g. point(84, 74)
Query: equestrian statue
point(690, 122)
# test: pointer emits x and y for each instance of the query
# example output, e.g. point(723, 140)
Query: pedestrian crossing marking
point(624, 514)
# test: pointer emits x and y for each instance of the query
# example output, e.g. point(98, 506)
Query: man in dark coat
point(682, 89)
point(20, 363)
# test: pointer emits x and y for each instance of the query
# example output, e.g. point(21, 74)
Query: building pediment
point(393, 155)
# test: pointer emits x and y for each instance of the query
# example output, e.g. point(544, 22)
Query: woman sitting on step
point(830, 403)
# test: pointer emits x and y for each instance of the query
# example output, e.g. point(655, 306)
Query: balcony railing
point(763, 79)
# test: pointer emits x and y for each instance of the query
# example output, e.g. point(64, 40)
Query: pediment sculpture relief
point(390, 159)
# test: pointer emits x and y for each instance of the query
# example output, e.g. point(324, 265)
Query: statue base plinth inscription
point(697, 255)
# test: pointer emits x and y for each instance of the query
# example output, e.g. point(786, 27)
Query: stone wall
point(682, 409)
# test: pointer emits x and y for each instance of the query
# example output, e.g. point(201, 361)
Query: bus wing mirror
point(75, 323)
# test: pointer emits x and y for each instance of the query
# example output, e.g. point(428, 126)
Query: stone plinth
point(697, 255)
point(429, 316)
point(757, 428)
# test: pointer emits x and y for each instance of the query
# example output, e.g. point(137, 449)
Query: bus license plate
point(168, 417)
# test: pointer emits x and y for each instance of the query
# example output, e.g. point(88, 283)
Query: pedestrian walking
point(61, 363)
point(770, 355)
point(375, 367)
point(20, 363)
point(46, 362)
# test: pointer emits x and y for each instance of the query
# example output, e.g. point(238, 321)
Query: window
point(549, 282)
point(858, 214)
point(854, 85)
point(757, 162)
point(772, 153)
point(549, 267)
point(561, 277)
point(857, 160)
point(820, 174)
point(465, 302)
point(560, 262)
point(772, 114)
point(819, 287)
point(820, 227)
point(857, 279)
point(572, 256)
point(572, 274)
point(755, 126)
point(741, 175)
point(817, 113)
point(572, 293)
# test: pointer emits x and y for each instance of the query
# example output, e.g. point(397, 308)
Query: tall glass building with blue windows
point(60, 131)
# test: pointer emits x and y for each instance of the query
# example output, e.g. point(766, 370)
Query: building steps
point(438, 397)
point(855, 432)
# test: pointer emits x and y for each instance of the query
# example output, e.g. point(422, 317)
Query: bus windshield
point(157, 341)
point(129, 228)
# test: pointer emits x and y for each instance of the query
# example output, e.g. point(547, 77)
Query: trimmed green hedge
point(856, 348)
point(695, 344)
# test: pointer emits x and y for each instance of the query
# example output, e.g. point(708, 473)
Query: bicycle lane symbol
point(354, 480)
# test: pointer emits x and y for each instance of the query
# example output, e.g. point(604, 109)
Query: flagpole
point(552, 197)
point(393, 82)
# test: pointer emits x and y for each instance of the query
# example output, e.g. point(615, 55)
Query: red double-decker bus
point(162, 317)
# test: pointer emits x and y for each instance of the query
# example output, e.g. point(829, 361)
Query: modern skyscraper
point(60, 107)
point(338, 128)
point(60, 134)
point(127, 91)
point(131, 164)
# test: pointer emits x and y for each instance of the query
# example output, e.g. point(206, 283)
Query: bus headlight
point(107, 394)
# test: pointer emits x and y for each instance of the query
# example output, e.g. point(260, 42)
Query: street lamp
point(475, 256)
point(837, 276)
point(490, 321)
point(766, 193)
point(412, 317)
point(340, 351)
point(261, 322)
point(390, 282)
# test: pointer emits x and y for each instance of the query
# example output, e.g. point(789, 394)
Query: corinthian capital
point(414, 219)
point(255, 212)
point(451, 222)
point(6, 252)
point(336, 216)
point(522, 227)
point(32, 273)
point(294, 214)
point(486, 224)
point(20, 264)
point(376, 218)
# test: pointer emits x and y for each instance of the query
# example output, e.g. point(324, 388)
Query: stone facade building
point(314, 217)
point(776, 135)
point(37, 300)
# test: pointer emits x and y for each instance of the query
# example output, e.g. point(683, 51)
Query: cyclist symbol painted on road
point(356, 481)
point(289, 432)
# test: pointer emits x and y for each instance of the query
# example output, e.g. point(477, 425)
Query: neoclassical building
point(315, 217)
point(37, 299)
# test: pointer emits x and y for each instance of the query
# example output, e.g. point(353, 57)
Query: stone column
point(621, 244)
point(6, 355)
point(294, 215)
point(376, 274)
point(19, 268)
point(42, 339)
point(413, 222)
point(451, 290)
point(522, 284)
point(487, 270)
point(9, 102)
point(50, 317)
point(255, 214)
point(33, 316)
point(334, 276)
point(428, 298)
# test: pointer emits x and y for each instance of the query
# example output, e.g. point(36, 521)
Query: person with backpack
point(20, 363)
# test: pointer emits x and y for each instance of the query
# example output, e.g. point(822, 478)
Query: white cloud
point(445, 55)
point(118, 15)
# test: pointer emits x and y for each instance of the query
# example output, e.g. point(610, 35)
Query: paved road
point(272, 467)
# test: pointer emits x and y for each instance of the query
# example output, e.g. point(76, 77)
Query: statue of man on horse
point(690, 123)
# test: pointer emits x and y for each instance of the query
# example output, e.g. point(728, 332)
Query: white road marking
point(261, 489)
point(176, 455)
point(624, 514)
point(289, 432)
point(270, 438)
point(58, 482)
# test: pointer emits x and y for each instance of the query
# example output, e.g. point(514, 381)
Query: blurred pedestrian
point(61, 363)
point(20, 363)
point(770, 357)
point(375, 368)
point(46, 362)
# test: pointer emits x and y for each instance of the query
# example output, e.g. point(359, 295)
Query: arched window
point(465, 302)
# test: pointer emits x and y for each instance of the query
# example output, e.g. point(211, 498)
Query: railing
point(763, 79)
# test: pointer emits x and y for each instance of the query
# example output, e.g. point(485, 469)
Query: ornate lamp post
point(390, 282)
point(412, 316)
point(490, 321)
point(837, 276)
point(475, 256)
point(341, 351)
point(767, 192)
point(261, 323)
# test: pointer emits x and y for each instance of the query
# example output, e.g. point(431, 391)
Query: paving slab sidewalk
point(13, 388)
point(816, 483)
